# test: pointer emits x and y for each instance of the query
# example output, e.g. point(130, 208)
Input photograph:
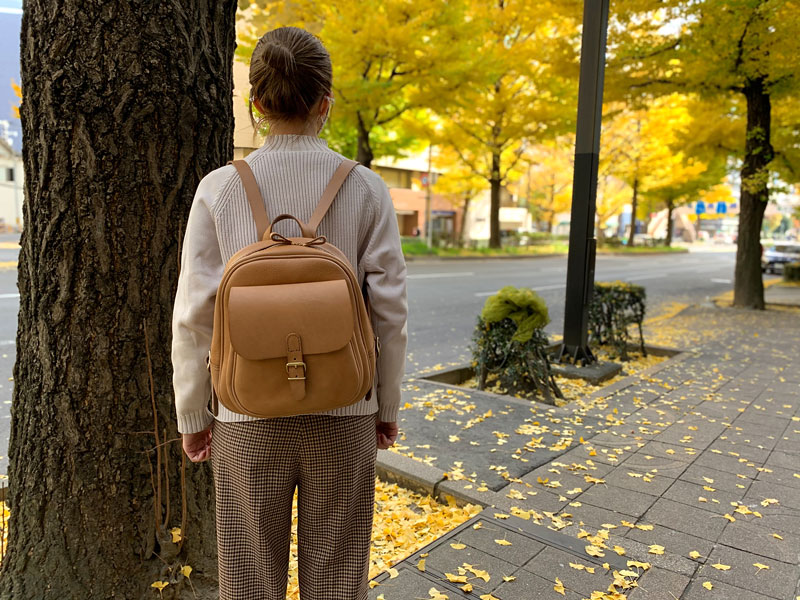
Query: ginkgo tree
point(523, 93)
point(457, 183)
point(388, 57)
point(744, 53)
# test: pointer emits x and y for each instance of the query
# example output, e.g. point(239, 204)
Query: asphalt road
point(445, 298)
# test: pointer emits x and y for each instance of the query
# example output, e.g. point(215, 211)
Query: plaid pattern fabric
point(256, 466)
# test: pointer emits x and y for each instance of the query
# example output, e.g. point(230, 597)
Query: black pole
point(582, 244)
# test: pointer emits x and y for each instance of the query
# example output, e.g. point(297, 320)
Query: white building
point(11, 188)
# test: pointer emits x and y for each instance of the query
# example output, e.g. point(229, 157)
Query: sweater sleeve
point(385, 277)
point(193, 313)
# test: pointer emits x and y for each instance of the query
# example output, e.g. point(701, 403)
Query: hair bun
point(279, 58)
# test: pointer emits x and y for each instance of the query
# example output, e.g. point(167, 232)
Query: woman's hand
point(198, 445)
point(387, 434)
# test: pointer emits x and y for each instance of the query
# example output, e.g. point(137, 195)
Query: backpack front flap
point(295, 347)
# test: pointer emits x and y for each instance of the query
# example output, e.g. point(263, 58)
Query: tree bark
point(494, 211)
point(464, 213)
point(634, 202)
point(364, 154)
point(127, 105)
point(670, 210)
point(748, 287)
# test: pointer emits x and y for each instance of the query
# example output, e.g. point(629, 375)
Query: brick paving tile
point(681, 517)
point(626, 501)
point(659, 584)
point(552, 563)
point(675, 541)
point(722, 480)
point(731, 448)
point(446, 560)
point(781, 476)
point(408, 584)
point(729, 464)
point(690, 494)
point(780, 519)
point(783, 460)
point(641, 552)
point(670, 452)
point(520, 551)
point(542, 500)
point(755, 538)
point(719, 591)
point(527, 586)
point(761, 490)
point(648, 478)
point(780, 581)
point(667, 467)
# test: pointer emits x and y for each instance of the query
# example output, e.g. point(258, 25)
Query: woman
point(329, 457)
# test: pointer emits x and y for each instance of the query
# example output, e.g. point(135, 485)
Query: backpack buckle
point(296, 364)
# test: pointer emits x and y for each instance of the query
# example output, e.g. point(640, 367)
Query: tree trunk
point(364, 154)
point(494, 212)
point(464, 213)
point(127, 105)
point(670, 209)
point(748, 287)
point(634, 202)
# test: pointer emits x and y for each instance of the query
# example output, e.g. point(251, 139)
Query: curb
point(424, 258)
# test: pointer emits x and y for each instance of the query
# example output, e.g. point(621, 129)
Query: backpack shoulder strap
point(253, 196)
point(334, 185)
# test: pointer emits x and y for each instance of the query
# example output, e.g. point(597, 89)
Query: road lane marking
point(438, 275)
point(721, 281)
point(9, 296)
point(542, 288)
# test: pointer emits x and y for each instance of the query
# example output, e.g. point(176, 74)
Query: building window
point(9, 174)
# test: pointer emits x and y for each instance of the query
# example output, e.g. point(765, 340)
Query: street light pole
point(582, 244)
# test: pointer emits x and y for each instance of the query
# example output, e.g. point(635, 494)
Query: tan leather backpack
point(292, 334)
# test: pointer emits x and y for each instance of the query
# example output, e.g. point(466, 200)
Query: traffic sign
point(722, 208)
point(699, 207)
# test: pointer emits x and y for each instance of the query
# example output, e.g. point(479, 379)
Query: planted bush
point(509, 342)
point(614, 308)
point(791, 271)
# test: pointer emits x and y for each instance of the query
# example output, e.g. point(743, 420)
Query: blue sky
point(10, 24)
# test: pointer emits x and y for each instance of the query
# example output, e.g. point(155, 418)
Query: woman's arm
point(193, 314)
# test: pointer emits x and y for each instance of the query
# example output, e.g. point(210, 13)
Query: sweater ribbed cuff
point(388, 412)
point(195, 422)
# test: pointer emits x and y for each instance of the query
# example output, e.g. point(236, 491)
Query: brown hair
point(290, 71)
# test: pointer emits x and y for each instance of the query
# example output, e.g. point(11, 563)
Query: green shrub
point(509, 342)
point(791, 271)
point(614, 307)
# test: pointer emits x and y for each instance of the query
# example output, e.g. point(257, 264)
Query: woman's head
point(290, 75)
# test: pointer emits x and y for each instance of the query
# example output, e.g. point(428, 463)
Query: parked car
point(778, 255)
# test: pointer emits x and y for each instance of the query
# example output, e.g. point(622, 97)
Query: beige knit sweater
point(292, 171)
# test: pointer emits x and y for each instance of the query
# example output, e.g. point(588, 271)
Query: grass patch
point(418, 248)
point(642, 250)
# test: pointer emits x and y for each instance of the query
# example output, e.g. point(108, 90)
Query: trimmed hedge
point(509, 342)
point(791, 271)
point(614, 307)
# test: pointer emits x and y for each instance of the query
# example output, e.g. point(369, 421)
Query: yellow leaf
point(708, 488)
point(708, 480)
point(467, 587)
point(639, 565)
point(421, 565)
point(373, 584)
point(502, 542)
point(776, 536)
point(694, 554)
point(767, 501)
point(729, 517)
point(721, 567)
point(437, 595)
point(701, 499)
point(644, 527)
point(488, 597)
point(478, 525)
point(627, 573)
point(508, 578)
point(559, 587)
point(458, 546)
point(619, 550)
point(159, 585)
point(176, 534)
point(186, 570)
point(656, 549)
point(708, 585)
point(594, 551)
point(393, 573)
point(760, 567)
point(456, 578)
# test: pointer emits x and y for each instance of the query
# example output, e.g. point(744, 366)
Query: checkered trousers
point(256, 465)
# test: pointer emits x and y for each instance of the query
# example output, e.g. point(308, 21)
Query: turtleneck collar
point(293, 143)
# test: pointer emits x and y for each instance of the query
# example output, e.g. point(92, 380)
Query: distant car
point(778, 255)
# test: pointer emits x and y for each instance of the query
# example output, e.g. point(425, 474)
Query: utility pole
point(582, 244)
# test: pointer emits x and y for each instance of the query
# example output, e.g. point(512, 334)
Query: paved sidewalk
point(690, 471)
